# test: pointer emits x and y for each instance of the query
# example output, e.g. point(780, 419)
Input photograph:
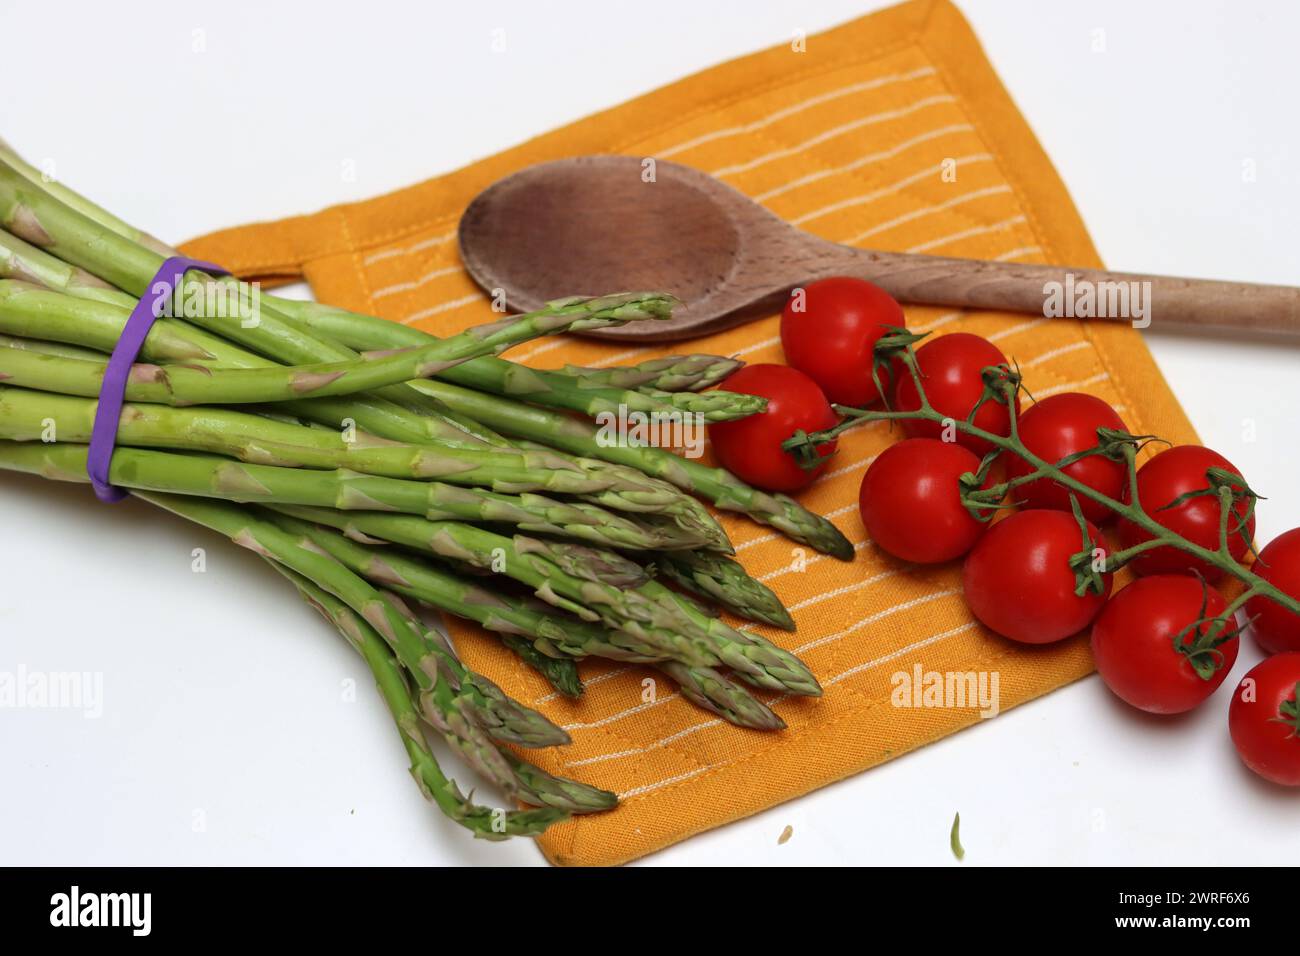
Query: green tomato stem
point(1219, 558)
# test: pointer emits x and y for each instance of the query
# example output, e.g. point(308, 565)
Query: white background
point(225, 737)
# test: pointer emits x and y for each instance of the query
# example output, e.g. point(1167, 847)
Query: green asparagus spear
point(514, 617)
point(185, 385)
point(61, 349)
point(212, 477)
point(722, 488)
point(24, 262)
point(672, 373)
point(755, 660)
point(71, 198)
point(466, 708)
point(725, 581)
point(424, 581)
point(648, 612)
point(517, 777)
point(26, 415)
point(33, 312)
point(425, 655)
point(560, 672)
point(392, 683)
point(501, 377)
point(713, 690)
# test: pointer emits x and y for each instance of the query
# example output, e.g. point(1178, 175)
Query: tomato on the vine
point(1136, 643)
point(750, 448)
point(1264, 719)
point(911, 501)
point(1019, 583)
point(1055, 428)
point(1167, 477)
point(1277, 629)
point(829, 330)
point(951, 369)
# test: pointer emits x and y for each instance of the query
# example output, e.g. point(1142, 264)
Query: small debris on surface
point(785, 835)
point(954, 838)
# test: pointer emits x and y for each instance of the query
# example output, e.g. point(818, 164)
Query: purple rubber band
point(112, 391)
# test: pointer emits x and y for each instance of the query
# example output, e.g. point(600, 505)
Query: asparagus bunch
point(287, 341)
point(383, 470)
point(41, 316)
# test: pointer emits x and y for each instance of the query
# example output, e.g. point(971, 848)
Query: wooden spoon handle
point(1078, 293)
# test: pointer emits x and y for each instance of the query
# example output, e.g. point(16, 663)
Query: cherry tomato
point(1277, 629)
point(1133, 643)
point(951, 368)
point(750, 448)
point(1263, 719)
point(1168, 475)
point(832, 338)
point(1059, 426)
point(911, 503)
point(1018, 579)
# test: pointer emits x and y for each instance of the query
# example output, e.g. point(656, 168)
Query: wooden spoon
point(592, 224)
